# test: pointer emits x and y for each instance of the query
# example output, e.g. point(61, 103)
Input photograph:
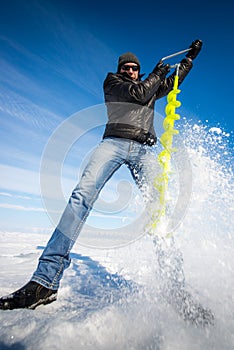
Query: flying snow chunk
point(217, 130)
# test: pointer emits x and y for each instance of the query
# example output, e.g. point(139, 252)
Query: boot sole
point(45, 301)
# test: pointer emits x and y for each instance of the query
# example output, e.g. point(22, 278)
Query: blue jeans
point(108, 157)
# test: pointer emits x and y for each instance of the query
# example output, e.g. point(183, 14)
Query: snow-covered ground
point(100, 304)
point(110, 299)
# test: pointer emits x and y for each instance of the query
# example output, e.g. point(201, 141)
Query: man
point(129, 133)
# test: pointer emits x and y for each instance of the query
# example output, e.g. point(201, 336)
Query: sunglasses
point(127, 68)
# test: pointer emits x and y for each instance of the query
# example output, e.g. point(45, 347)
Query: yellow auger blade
point(164, 157)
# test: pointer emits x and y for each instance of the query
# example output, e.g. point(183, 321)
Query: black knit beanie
point(127, 57)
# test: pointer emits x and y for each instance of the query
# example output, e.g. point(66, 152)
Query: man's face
point(132, 69)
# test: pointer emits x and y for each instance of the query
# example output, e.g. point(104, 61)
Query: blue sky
point(54, 56)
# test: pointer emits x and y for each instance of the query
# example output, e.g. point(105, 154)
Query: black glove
point(195, 49)
point(161, 69)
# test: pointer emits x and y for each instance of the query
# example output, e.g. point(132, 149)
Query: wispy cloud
point(10, 195)
point(23, 109)
point(39, 209)
point(19, 180)
point(20, 207)
point(74, 57)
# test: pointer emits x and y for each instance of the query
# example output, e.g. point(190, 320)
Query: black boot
point(30, 296)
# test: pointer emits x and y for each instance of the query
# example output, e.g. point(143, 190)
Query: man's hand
point(195, 48)
point(161, 69)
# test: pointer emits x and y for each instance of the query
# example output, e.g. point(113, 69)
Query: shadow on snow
point(87, 287)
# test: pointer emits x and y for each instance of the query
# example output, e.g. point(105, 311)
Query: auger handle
point(175, 54)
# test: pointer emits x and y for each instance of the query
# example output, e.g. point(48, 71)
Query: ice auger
point(164, 157)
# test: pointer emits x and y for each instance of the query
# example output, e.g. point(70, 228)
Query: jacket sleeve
point(167, 85)
point(118, 89)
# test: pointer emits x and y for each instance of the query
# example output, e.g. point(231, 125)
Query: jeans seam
point(129, 151)
point(38, 279)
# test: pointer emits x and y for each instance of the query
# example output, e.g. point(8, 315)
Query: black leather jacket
point(130, 104)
